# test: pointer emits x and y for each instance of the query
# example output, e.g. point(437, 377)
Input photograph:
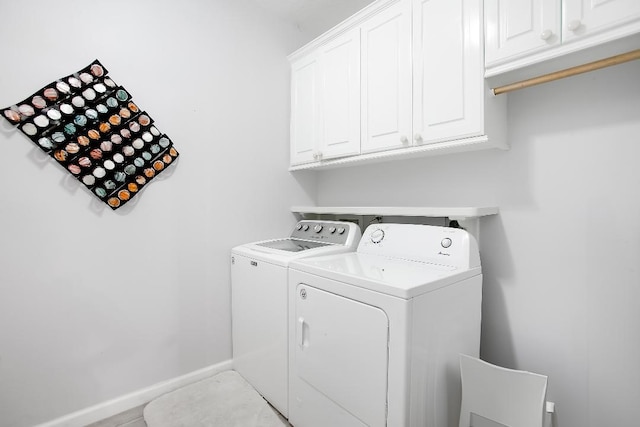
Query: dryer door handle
point(300, 331)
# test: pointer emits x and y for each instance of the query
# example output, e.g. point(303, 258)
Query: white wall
point(314, 17)
point(95, 304)
point(562, 259)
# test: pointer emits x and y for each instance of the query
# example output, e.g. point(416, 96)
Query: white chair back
point(504, 396)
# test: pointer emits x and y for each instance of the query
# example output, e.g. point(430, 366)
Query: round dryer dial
point(377, 235)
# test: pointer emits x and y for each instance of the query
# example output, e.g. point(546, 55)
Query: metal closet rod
point(591, 66)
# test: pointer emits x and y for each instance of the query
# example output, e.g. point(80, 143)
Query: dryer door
point(341, 361)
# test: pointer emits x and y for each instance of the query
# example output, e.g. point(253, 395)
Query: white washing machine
point(259, 301)
point(376, 333)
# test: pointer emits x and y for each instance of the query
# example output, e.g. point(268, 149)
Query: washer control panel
point(335, 232)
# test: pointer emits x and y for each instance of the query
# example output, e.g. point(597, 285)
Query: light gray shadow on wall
point(498, 269)
point(307, 181)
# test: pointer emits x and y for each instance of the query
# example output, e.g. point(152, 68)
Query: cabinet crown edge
point(344, 26)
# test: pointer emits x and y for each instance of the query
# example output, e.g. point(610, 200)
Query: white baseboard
point(128, 401)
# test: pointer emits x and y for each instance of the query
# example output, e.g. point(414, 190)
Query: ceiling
point(313, 17)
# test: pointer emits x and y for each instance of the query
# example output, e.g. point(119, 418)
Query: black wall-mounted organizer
point(91, 127)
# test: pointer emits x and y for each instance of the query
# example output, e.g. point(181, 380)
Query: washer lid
point(292, 245)
point(401, 278)
point(309, 238)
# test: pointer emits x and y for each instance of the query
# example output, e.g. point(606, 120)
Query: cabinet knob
point(546, 34)
point(417, 138)
point(574, 25)
point(404, 140)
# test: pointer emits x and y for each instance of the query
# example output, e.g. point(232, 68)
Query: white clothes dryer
point(259, 302)
point(376, 333)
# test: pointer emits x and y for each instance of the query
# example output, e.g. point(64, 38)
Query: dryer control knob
point(341, 230)
point(332, 230)
point(306, 227)
point(377, 235)
point(317, 228)
point(299, 226)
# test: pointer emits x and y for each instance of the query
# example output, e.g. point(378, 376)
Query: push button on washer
point(446, 242)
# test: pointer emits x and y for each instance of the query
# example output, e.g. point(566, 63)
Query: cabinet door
point(386, 79)
point(586, 17)
point(340, 96)
point(305, 121)
point(516, 28)
point(448, 82)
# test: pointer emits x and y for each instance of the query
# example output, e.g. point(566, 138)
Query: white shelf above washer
point(467, 217)
point(453, 213)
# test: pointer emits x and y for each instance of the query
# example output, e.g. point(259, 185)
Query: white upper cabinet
point(448, 85)
point(520, 33)
point(399, 79)
point(386, 79)
point(587, 17)
point(520, 27)
point(325, 101)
